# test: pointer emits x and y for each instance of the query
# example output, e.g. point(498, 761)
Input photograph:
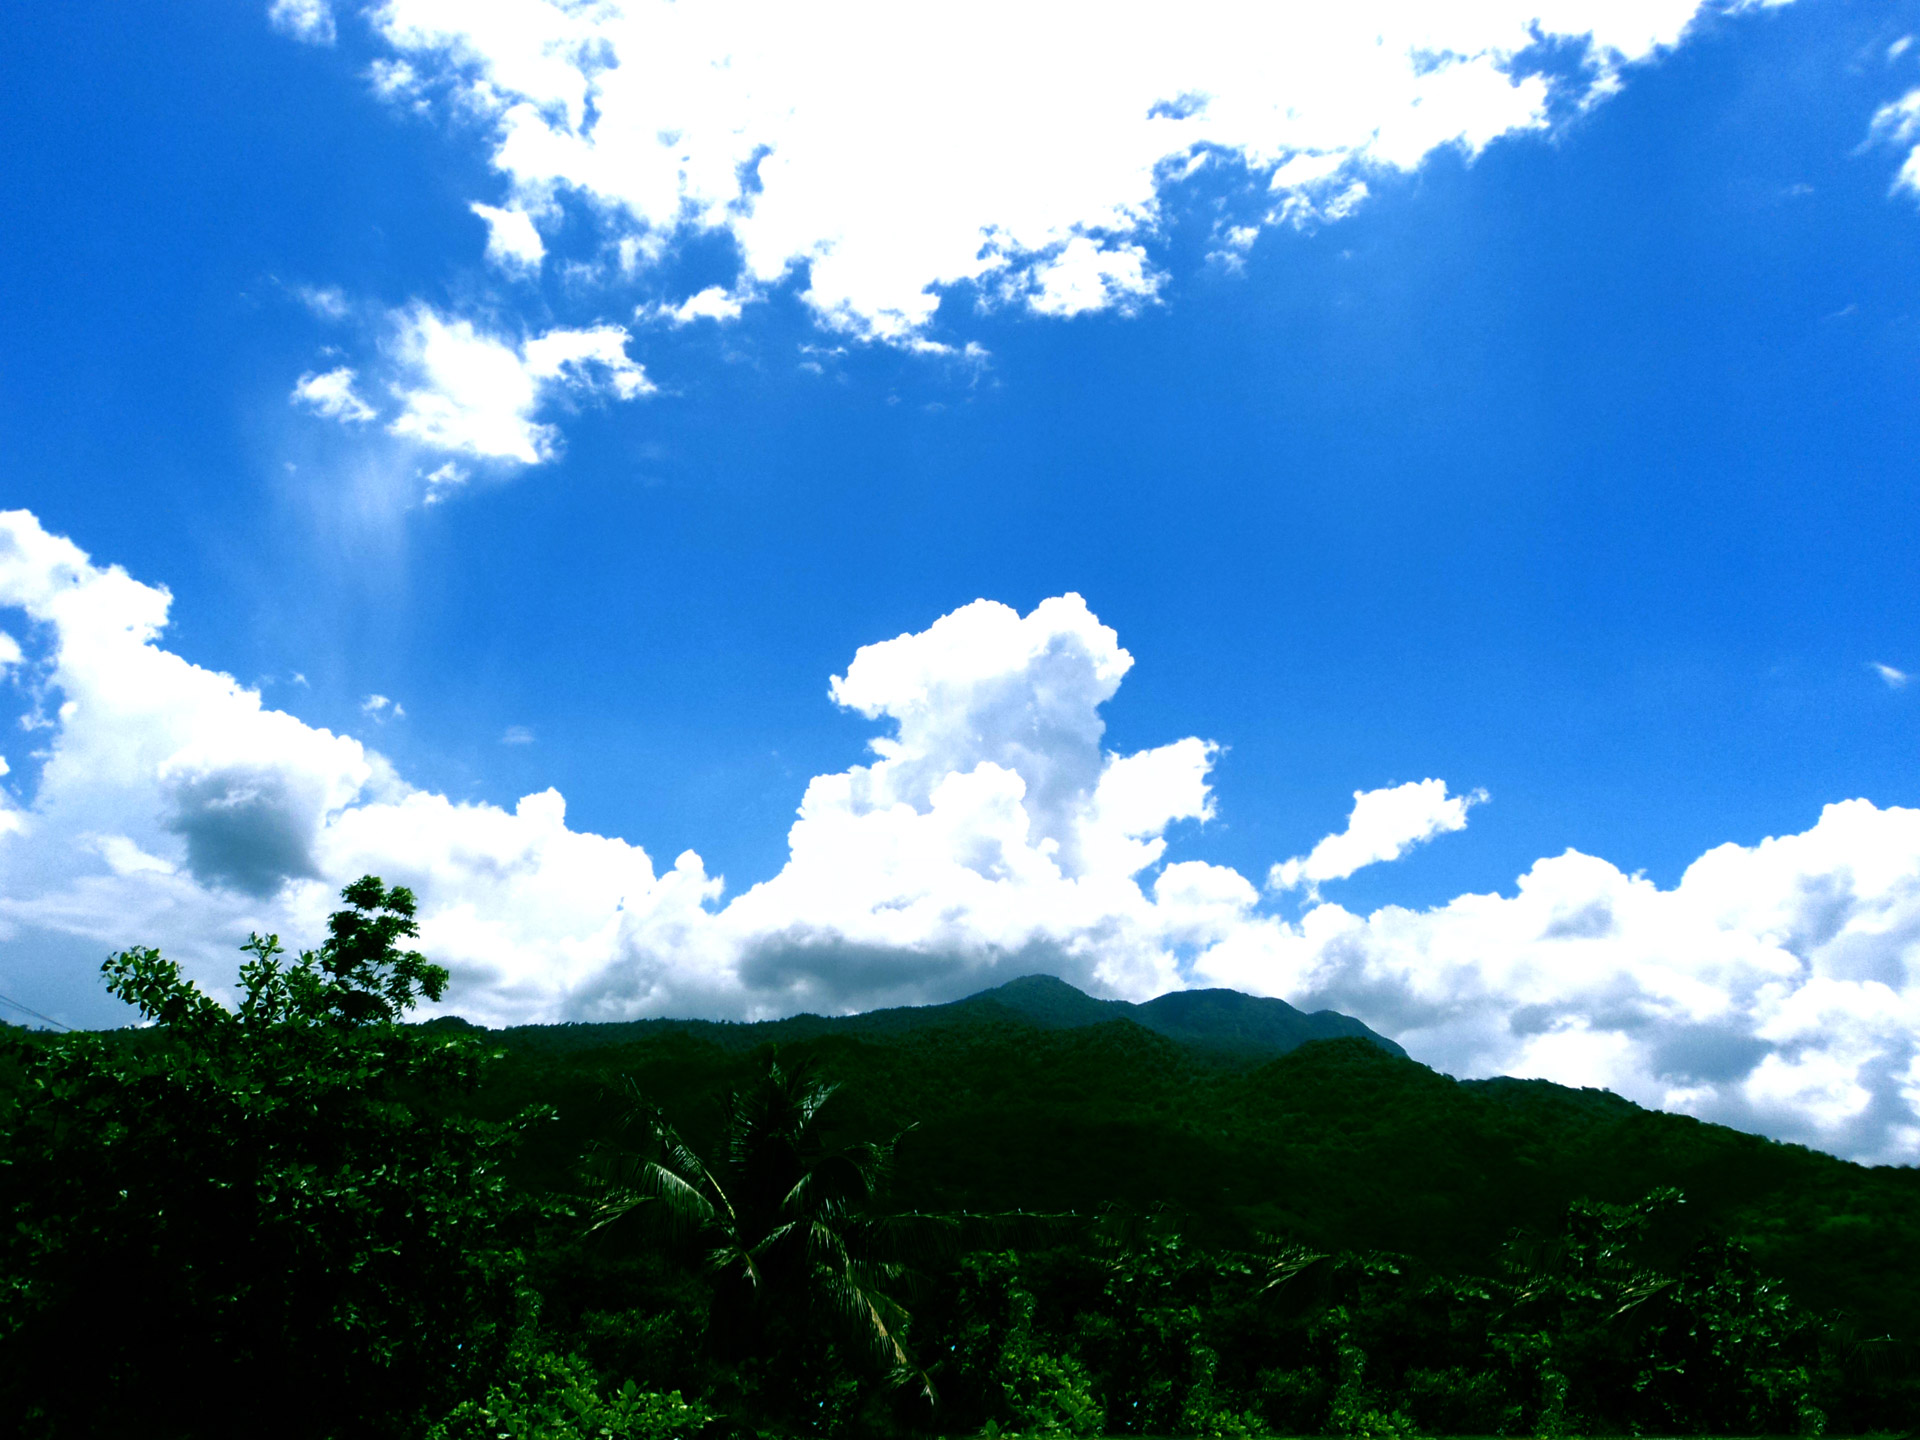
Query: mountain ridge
point(1220, 1022)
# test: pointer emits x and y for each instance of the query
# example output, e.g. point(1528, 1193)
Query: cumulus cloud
point(1776, 987)
point(1384, 825)
point(332, 395)
point(512, 242)
point(310, 21)
point(897, 151)
point(380, 708)
point(989, 833)
point(472, 393)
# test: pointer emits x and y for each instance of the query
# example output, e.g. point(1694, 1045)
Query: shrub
point(545, 1396)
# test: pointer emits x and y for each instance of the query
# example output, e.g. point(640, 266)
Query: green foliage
point(999, 1371)
point(263, 1220)
point(1146, 1332)
point(805, 1267)
point(546, 1396)
point(317, 1214)
point(1612, 1334)
point(1050, 1394)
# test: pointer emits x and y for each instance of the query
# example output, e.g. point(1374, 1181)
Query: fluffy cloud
point(512, 242)
point(331, 394)
point(1776, 987)
point(990, 836)
point(895, 151)
point(471, 393)
point(990, 833)
point(1384, 825)
point(713, 303)
point(464, 391)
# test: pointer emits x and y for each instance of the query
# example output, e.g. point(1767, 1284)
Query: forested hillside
point(1028, 1212)
point(1340, 1143)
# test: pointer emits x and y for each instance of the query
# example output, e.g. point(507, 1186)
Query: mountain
point(1251, 1026)
point(1035, 1096)
point(1243, 1115)
point(1223, 1023)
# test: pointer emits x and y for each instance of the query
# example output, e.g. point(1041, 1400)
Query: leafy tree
point(1619, 1335)
point(995, 1369)
point(253, 1221)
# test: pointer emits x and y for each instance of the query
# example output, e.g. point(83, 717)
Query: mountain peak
point(1212, 1019)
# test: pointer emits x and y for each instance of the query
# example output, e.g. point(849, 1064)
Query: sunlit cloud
point(989, 833)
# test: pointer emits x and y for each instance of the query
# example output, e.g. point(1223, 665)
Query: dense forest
point(1030, 1212)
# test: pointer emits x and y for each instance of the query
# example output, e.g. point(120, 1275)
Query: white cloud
point(331, 394)
point(471, 393)
point(512, 242)
point(327, 302)
point(1898, 123)
point(310, 21)
point(1024, 148)
point(715, 302)
point(396, 82)
point(1086, 275)
point(1776, 986)
point(1896, 679)
point(443, 480)
point(1384, 825)
point(379, 708)
point(516, 735)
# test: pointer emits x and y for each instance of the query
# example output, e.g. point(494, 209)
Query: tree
point(807, 1270)
point(258, 1220)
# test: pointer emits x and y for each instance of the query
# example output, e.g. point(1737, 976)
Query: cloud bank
point(989, 834)
point(893, 152)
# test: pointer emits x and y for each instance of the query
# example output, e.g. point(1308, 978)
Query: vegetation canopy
point(1030, 1212)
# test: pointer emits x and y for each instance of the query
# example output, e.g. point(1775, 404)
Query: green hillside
point(1027, 1212)
point(1035, 1096)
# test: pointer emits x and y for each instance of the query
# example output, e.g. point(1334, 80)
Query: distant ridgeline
point(1243, 1117)
point(1247, 1027)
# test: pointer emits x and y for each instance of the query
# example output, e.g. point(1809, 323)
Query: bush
point(545, 1396)
point(1051, 1395)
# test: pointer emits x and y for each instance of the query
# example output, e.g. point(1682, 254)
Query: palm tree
point(787, 1222)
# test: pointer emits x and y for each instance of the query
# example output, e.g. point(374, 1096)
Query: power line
point(35, 1013)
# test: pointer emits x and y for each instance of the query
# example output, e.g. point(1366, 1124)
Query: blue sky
point(1554, 443)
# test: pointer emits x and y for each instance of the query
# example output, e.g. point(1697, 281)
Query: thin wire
point(35, 1013)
